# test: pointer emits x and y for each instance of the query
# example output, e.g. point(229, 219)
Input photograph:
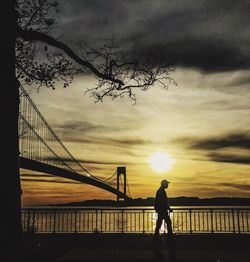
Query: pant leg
point(158, 223)
point(168, 222)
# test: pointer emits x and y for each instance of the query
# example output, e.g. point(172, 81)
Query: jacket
point(161, 201)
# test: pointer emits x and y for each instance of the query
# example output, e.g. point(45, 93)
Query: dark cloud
point(78, 126)
point(68, 137)
point(240, 81)
point(208, 35)
point(229, 158)
point(48, 181)
point(238, 186)
point(77, 131)
point(130, 141)
point(87, 162)
point(213, 147)
point(239, 140)
point(117, 142)
point(23, 175)
point(209, 55)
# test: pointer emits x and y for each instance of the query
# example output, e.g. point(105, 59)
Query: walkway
point(117, 247)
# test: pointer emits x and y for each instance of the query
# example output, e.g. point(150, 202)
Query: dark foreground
point(117, 247)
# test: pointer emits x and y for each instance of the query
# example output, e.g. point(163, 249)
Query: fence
point(135, 220)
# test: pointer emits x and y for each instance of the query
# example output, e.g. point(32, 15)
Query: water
point(135, 219)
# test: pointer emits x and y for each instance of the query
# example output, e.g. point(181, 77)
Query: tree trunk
point(11, 238)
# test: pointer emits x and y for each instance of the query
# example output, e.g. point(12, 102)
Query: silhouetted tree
point(35, 57)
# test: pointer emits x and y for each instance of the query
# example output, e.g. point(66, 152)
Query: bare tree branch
point(118, 73)
point(37, 36)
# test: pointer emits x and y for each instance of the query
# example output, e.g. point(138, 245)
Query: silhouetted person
point(162, 207)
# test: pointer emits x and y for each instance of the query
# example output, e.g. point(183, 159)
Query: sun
point(161, 162)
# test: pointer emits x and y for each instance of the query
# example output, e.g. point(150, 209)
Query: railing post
point(101, 220)
point(54, 220)
point(212, 221)
point(143, 228)
point(75, 222)
point(238, 221)
point(190, 221)
point(33, 218)
point(96, 220)
point(247, 221)
point(122, 222)
point(28, 222)
point(233, 221)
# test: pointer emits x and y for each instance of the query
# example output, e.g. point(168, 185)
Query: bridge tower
point(121, 172)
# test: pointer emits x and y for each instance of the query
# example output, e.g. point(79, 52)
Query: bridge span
point(42, 150)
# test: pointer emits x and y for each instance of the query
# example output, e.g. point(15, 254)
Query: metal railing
point(135, 220)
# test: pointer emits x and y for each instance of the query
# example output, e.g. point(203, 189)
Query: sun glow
point(161, 162)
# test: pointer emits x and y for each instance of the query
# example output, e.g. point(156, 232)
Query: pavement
point(138, 247)
point(202, 255)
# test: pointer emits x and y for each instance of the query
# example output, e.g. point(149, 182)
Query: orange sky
point(203, 124)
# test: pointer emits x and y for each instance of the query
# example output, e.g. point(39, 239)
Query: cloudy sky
point(202, 123)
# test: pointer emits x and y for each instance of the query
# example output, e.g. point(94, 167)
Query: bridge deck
point(64, 173)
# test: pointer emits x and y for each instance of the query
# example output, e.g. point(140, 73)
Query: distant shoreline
point(177, 201)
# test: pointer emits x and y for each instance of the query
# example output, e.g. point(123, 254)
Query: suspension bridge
point(42, 150)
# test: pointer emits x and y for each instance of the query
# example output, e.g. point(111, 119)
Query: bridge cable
point(28, 102)
point(129, 189)
point(110, 177)
point(50, 149)
point(53, 134)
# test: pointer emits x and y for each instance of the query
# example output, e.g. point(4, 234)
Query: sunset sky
point(203, 123)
